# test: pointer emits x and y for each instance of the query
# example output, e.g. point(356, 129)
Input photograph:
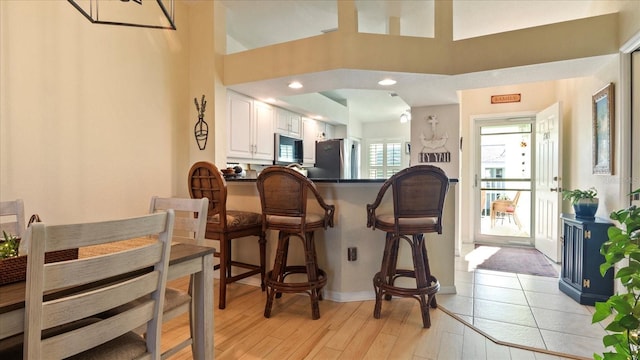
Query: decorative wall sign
point(201, 130)
point(603, 122)
point(506, 98)
point(433, 150)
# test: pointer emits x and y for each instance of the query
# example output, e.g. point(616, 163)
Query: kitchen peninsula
point(352, 280)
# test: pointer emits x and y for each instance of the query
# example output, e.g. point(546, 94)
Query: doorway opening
point(503, 181)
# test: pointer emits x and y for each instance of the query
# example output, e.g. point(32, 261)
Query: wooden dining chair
point(506, 208)
point(60, 323)
point(226, 225)
point(189, 227)
point(13, 214)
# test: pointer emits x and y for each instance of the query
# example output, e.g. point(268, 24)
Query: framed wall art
point(603, 121)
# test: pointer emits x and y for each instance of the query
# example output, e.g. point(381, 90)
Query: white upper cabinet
point(329, 132)
point(288, 123)
point(250, 130)
point(310, 135)
point(263, 131)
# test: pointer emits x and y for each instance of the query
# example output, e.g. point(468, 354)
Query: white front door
point(548, 177)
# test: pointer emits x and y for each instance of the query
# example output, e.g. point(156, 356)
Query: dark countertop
point(334, 181)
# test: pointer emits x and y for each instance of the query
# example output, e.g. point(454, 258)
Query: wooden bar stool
point(418, 201)
point(283, 196)
point(226, 225)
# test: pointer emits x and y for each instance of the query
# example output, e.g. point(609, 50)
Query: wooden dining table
point(185, 260)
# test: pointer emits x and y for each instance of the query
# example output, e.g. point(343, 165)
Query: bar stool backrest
point(206, 181)
point(418, 192)
point(284, 192)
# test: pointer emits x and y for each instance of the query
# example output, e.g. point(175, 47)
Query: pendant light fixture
point(405, 117)
point(154, 14)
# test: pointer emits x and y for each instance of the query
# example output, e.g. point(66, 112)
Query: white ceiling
point(259, 23)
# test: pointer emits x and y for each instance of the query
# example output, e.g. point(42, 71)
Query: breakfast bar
point(352, 280)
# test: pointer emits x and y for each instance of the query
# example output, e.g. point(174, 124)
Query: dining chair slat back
point(191, 227)
point(191, 220)
point(12, 218)
point(67, 324)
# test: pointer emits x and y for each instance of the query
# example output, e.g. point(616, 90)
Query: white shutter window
point(385, 159)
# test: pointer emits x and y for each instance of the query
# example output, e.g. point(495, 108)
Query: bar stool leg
point(422, 281)
point(312, 273)
point(262, 242)
point(277, 273)
point(393, 262)
point(385, 275)
point(225, 254)
point(433, 302)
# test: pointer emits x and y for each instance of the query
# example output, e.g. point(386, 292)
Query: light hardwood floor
point(344, 331)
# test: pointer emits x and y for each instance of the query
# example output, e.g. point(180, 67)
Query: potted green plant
point(585, 202)
point(9, 245)
point(622, 248)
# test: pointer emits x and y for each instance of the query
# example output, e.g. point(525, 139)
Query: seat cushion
point(294, 220)
point(389, 220)
point(238, 219)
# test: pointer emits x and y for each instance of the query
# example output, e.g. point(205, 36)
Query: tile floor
point(522, 309)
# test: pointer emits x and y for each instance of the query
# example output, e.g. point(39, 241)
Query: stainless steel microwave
point(288, 150)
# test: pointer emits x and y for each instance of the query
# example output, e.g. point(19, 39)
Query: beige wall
point(576, 95)
point(93, 118)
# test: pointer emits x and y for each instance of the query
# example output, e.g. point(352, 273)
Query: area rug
point(519, 260)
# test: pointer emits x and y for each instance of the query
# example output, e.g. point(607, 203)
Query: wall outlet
point(352, 254)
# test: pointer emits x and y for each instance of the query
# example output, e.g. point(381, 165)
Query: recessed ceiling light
point(295, 85)
point(386, 82)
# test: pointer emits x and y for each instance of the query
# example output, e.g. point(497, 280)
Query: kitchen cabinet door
point(250, 130)
point(263, 132)
point(240, 123)
point(288, 123)
point(310, 135)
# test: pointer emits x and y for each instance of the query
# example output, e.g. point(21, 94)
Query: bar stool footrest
point(379, 283)
point(296, 287)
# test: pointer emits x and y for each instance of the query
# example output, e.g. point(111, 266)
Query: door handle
point(555, 189)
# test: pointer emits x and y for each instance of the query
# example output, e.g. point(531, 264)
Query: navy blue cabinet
point(580, 277)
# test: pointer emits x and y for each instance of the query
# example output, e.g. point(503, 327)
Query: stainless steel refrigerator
point(330, 160)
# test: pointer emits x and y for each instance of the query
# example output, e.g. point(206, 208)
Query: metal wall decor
point(433, 148)
point(155, 14)
point(201, 130)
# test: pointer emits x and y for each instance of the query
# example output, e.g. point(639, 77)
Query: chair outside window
point(418, 201)
point(225, 225)
point(66, 324)
point(502, 208)
point(284, 194)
